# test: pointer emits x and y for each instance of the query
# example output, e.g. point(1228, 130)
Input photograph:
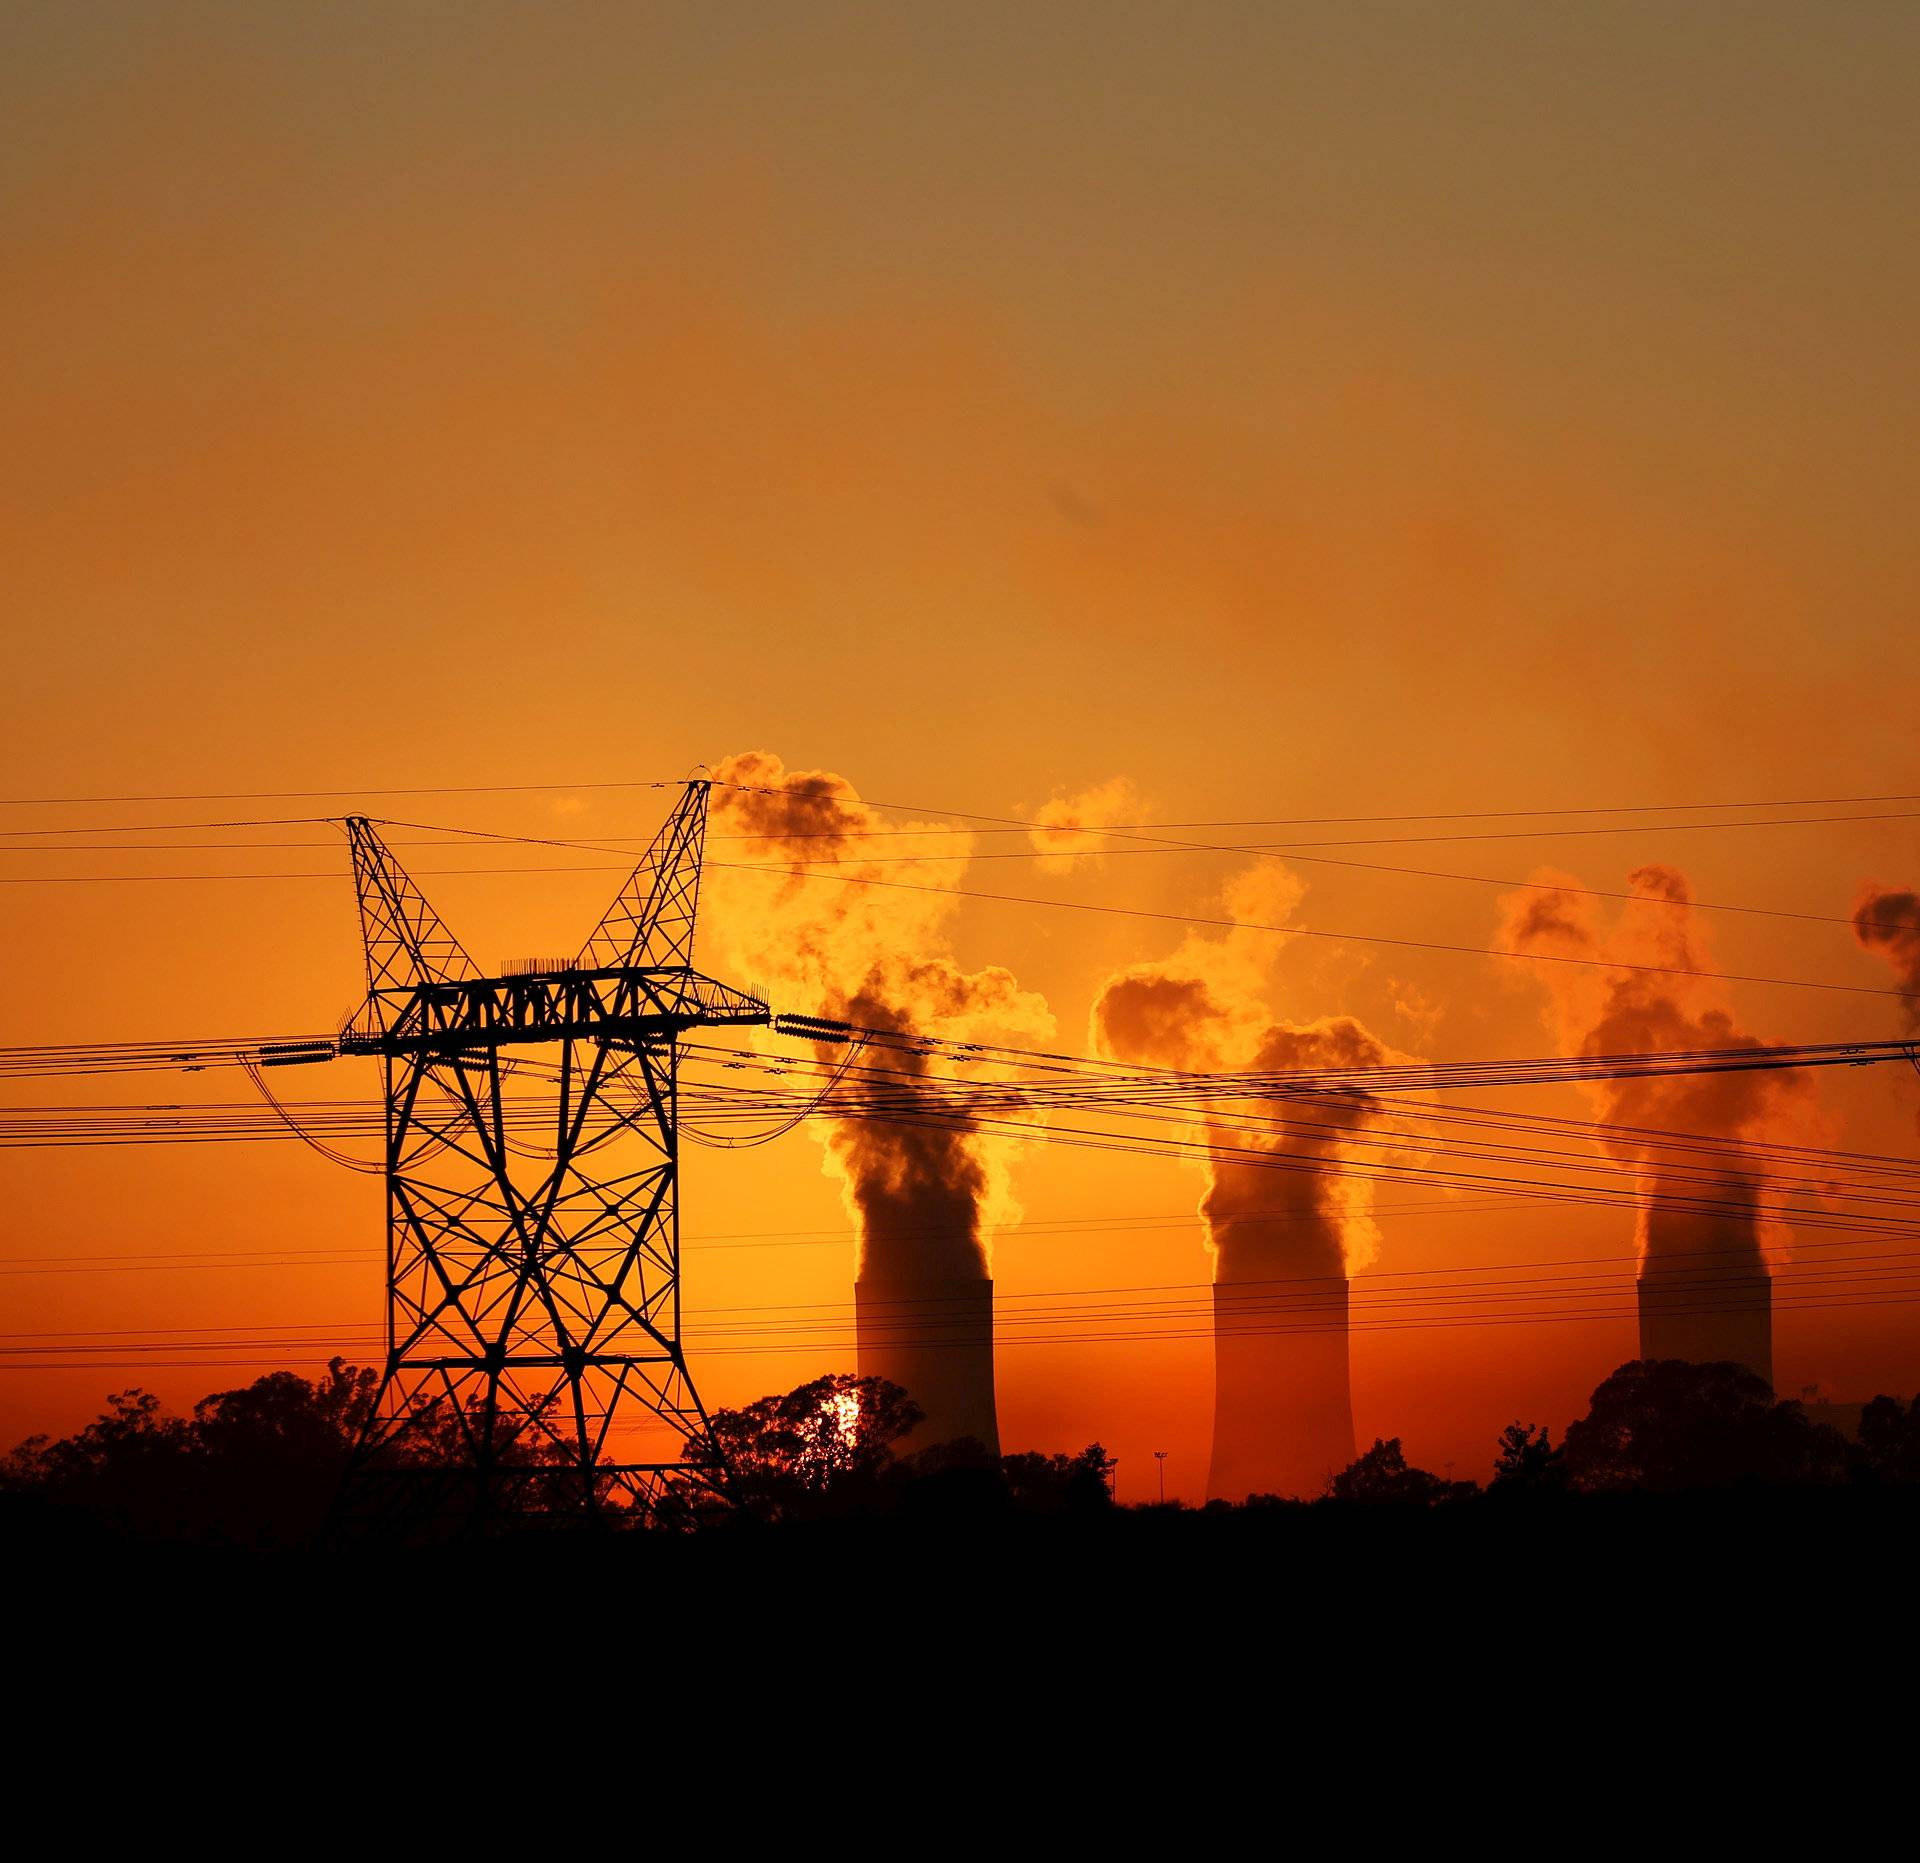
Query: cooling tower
point(1282, 1402)
point(1705, 1315)
point(935, 1339)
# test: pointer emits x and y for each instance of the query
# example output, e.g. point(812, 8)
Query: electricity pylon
point(534, 1358)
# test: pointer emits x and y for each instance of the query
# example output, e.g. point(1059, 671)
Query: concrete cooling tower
point(1706, 1315)
point(934, 1338)
point(1282, 1400)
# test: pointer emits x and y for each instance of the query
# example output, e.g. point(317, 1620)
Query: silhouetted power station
point(535, 1361)
point(535, 1358)
point(1730, 1317)
point(535, 1351)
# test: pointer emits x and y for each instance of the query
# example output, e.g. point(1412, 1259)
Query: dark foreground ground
point(1540, 1574)
point(1513, 1672)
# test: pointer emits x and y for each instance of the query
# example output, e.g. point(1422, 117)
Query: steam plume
point(1702, 1238)
point(924, 1194)
point(1888, 921)
point(1063, 827)
point(1262, 1223)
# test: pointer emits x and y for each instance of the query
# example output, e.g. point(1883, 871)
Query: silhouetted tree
point(271, 1454)
point(821, 1448)
point(957, 1480)
point(1060, 1484)
point(126, 1469)
point(1890, 1439)
point(1383, 1474)
point(438, 1434)
point(1527, 1462)
point(531, 1472)
point(256, 1465)
point(1666, 1426)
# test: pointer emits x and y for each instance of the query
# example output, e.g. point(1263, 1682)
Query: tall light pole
point(1160, 1462)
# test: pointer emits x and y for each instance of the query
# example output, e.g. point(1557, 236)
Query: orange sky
point(1296, 412)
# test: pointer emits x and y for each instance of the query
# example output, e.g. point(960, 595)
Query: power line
point(478, 789)
point(1022, 899)
point(1343, 937)
point(1740, 1190)
point(290, 795)
point(1871, 1289)
point(606, 844)
point(264, 821)
point(1278, 850)
point(1640, 808)
point(1381, 1288)
point(292, 1351)
point(1061, 1229)
point(200, 1052)
point(134, 879)
point(1285, 849)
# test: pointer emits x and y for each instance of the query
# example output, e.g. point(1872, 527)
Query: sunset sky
point(1252, 413)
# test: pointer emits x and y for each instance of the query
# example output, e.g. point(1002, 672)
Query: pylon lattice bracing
point(534, 1357)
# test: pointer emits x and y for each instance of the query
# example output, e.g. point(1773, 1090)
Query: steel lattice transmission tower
point(534, 1358)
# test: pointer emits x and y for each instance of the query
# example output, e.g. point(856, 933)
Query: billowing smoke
point(1277, 1202)
point(1703, 1227)
point(808, 925)
point(1599, 1011)
point(1321, 1222)
point(1064, 831)
point(1887, 920)
point(919, 1193)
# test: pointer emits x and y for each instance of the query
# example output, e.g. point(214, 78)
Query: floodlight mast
point(534, 1365)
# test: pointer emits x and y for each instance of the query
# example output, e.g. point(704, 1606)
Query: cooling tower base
point(935, 1340)
point(1706, 1318)
point(1282, 1401)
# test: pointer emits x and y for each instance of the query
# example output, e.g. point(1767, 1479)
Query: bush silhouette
point(1383, 1474)
point(1890, 1439)
point(255, 1466)
point(1665, 1426)
point(1526, 1462)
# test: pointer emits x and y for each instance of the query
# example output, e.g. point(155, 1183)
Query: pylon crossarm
point(465, 1018)
point(406, 942)
point(650, 923)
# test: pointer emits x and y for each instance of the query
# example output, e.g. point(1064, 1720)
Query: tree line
point(261, 1466)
